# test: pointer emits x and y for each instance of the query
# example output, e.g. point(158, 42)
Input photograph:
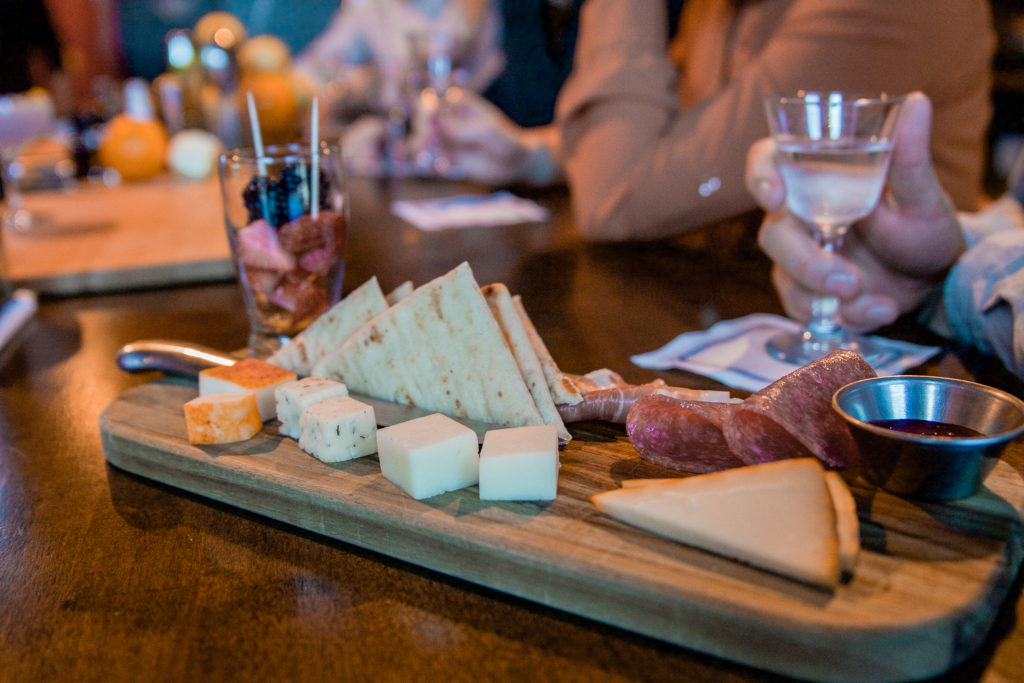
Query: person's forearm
point(982, 298)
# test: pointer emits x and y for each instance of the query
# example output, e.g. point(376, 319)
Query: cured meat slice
point(612, 404)
point(793, 416)
point(682, 435)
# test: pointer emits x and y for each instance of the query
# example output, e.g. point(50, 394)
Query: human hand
point(890, 261)
point(482, 144)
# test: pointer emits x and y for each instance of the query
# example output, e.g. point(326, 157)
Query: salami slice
point(682, 435)
point(793, 417)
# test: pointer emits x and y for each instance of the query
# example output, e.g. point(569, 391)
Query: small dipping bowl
point(922, 466)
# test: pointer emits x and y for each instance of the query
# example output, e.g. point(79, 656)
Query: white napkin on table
point(733, 352)
point(15, 312)
point(469, 211)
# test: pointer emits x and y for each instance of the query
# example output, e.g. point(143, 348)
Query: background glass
point(290, 264)
point(833, 153)
point(22, 118)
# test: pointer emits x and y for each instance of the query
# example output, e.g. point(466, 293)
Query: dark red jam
point(926, 428)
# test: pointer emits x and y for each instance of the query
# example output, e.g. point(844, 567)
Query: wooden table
point(109, 576)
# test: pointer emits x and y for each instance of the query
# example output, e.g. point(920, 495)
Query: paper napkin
point(15, 312)
point(468, 211)
point(733, 352)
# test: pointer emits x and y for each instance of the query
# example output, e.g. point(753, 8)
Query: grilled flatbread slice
point(331, 329)
point(400, 292)
point(441, 349)
point(500, 301)
point(563, 389)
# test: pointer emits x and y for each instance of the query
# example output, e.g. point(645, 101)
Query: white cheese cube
point(428, 455)
point(338, 428)
point(295, 396)
point(519, 463)
point(248, 375)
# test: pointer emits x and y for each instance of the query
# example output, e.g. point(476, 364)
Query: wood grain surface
point(156, 232)
point(925, 592)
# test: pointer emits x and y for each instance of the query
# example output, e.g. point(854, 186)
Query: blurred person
point(963, 273)
point(655, 137)
point(653, 132)
point(374, 48)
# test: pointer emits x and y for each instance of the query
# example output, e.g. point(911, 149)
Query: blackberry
point(252, 196)
point(287, 196)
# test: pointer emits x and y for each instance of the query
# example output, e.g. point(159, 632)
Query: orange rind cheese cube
point(248, 375)
point(222, 418)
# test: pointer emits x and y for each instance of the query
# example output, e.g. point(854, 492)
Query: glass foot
point(802, 348)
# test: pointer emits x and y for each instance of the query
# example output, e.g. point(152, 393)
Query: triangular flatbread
point(563, 389)
point(331, 329)
point(441, 349)
point(400, 292)
point(778, 516)
point(500, 301)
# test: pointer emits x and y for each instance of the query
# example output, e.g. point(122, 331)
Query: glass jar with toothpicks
point(286, 212)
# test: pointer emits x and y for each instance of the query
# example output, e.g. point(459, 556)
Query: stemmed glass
point(22, 117)
point(436, 64)
point(833, 152)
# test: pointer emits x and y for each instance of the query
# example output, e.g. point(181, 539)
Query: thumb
point(912, 180)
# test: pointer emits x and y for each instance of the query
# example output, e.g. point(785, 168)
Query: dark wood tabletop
point(109, 576)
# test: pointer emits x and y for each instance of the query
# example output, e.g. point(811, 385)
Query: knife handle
point(172, 357)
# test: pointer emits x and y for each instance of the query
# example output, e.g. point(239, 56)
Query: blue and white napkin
point(469, 211)
point(733, 352)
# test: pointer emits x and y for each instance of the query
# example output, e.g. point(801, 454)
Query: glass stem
point(825, 323)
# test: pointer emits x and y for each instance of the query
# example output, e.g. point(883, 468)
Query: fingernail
point(880, 314)
point(841, 284)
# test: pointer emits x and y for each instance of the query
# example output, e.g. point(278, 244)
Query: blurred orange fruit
point(275, 105)
point(135, 148)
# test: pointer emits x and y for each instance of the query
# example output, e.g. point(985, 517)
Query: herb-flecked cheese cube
point(338, 428)
point(295, 396)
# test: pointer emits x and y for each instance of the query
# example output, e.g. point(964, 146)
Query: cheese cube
point(428, 455)
point(519, 463)
point(338, 428)
point(248, 375)
point(222, 418)
point(295, 396)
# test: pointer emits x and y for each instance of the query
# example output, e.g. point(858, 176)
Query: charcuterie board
point(927, 587)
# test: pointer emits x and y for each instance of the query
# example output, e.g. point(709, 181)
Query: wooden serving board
point(163, 231)
point(925, 592)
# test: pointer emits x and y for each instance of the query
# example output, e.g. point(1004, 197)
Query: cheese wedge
point(847, 524)
point(500, 301)
point(222, 418)
point(441, 349)
point(777, 516)
point(331, 329)
point(843, 503)
point(248, 375)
